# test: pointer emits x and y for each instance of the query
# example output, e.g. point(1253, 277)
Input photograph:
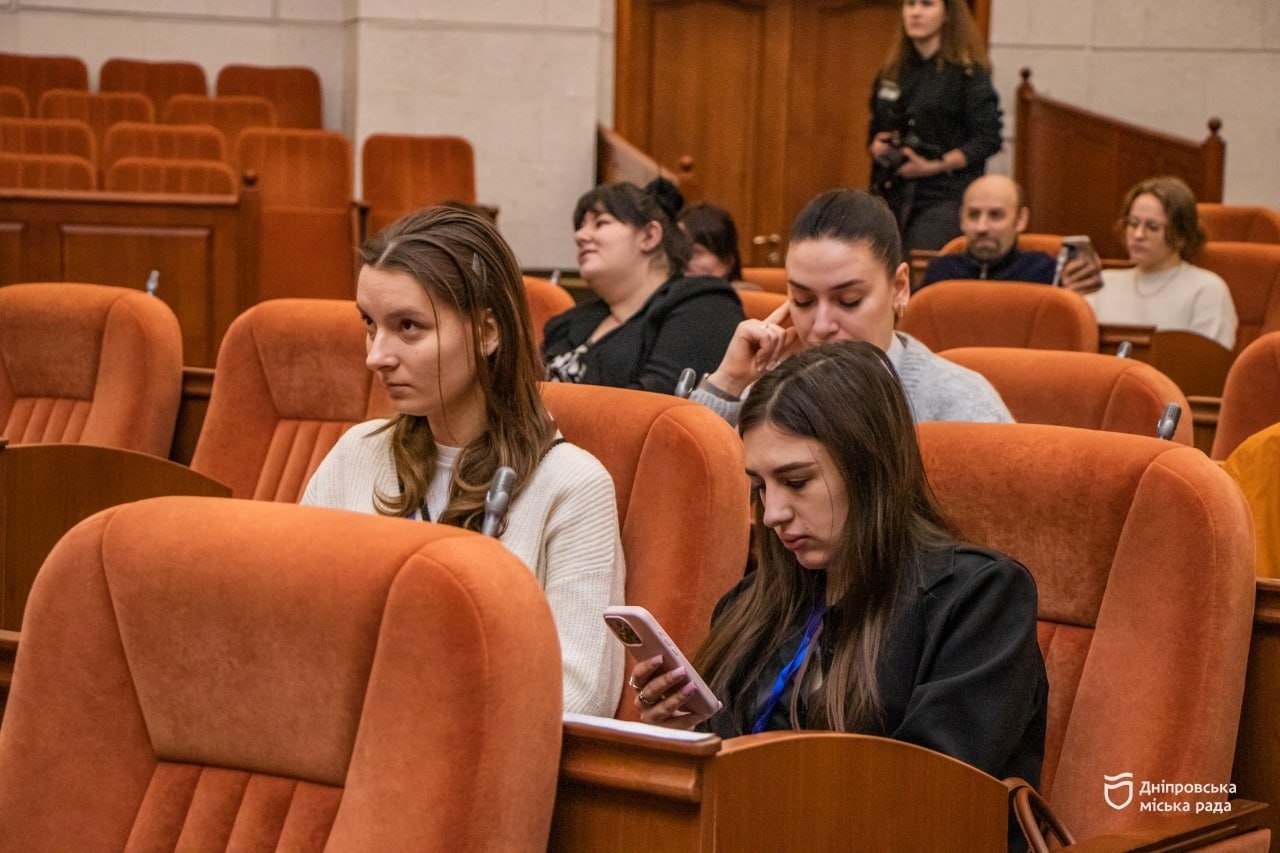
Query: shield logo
point(1111, 790)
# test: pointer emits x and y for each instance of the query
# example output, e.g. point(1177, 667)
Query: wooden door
point(769, 97)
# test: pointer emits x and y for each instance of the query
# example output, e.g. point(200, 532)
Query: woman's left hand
point(916, 166)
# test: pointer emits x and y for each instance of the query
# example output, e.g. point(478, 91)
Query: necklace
point(1154, 282)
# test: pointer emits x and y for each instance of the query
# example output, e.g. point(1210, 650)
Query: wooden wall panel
point(10, 250)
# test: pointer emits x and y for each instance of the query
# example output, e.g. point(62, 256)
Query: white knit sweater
point(563, 525)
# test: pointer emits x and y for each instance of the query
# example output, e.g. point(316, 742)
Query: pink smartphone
point(644, 638)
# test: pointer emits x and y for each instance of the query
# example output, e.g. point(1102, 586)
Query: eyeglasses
point(1147, 225)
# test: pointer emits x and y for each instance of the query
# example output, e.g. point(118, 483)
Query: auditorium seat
point(773, 279)
point(1078, 389)
point(972, 313)
point(308, 221)
point(1252, 273)
point(1142, 551)
point(172, 142)
point(230, 114)
point(294, 91)
point(1251, 397)
point(401, 173)
point(212, 674)
point(88, 364)
point(47, 136)
point(159, 81)
point(47, 172)
point(158, 175)
point(546, 300)
point(682, 493)
point(290, 379)
point(99, 110)
point(35, 75)
point(1050, 244)
point(759, 304)
point(1239, 222)
point(13, 103)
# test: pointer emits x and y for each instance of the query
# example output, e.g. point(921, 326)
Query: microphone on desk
point(1124, 349)
point(498, 500)
point(1168, 424)
point(684, 385)
point(153, 282)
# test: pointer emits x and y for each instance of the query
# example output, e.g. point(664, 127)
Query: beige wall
point(527, 80)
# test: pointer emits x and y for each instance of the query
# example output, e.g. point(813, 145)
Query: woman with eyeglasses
point(1163, 289)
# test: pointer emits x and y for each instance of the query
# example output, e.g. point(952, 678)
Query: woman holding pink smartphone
point(867, 613)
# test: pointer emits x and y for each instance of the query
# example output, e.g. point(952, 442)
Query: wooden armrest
point(1169, 833)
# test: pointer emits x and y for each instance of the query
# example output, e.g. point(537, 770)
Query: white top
point(563, 525)
point(1184, 298)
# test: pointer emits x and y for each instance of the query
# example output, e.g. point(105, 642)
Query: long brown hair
point(962, 45)
point(461, 260)
point(846, 397)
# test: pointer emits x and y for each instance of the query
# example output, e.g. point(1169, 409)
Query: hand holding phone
point(645, 639)
point(1084, 277)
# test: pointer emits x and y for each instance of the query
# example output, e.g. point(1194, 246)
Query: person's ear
point(490, 338)
point(901, 290)
point(650, 236)
point(1024, 216)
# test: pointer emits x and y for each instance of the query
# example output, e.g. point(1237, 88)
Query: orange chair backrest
point(1142, 551)
point(230, 114)
point(1252, 273)
point(46, 172)
point(294, 91)
point(99, 110)
point(685, 535)
point(115, 379)
point(298, 168)
point(158, 175)
point(222, 674)
point(1050, 244)
point(772, 279)
point(546, 300)
point(970, 313)
point(47, 136)
point(171, 142)
point(1079, 389)
point(159, 81)
point(35, 75)
point(759, 304)
point(1240, 223)
point(401, 173)
point(1251, 397)
point(13, 103)
point(290, 379)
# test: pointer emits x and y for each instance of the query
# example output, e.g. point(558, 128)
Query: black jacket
point(1016, 265)
point(961, 671)
point(686, 323)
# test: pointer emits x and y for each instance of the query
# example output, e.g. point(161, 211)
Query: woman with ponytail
point(448, 333)
point(648, 322)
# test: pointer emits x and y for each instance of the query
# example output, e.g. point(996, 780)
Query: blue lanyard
point(815, 619)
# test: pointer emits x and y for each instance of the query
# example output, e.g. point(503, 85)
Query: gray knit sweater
point(936, 389)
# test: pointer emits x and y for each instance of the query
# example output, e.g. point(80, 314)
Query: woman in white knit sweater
point(449, 336)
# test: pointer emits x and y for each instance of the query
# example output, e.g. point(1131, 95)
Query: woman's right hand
point(880, 146)
point(660, 696)
point(755, 348)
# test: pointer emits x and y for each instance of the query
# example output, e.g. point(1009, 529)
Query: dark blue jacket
point(1036, 267)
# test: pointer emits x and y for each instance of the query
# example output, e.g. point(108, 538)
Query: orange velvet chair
point(47, 136)
point(47, 172)
point(158, 175)
point(759, 304)
point(13, 103)
point(1239, 222)
point(212, 674)
point(231, 114)
point(159, 81)
point(546, 300)
point(772, 279)
point(401, 173)
point(1142, 551)
point(88, 364)
point(1251, 398)
point(99, 110)
point(171, 142)
point(1252, 273)
point(971, 313)
point(294, 91)
point(290, 379)
point(682, 493)
point(35, 75)
point(1078, 389)
point(308, 219)
point(1050, 244)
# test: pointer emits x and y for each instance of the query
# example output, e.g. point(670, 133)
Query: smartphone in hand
point(644, 639)
point(1073, 246)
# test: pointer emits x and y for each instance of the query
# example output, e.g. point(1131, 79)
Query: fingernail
point(688, 689)
point(655, 660)
point(678, 672)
